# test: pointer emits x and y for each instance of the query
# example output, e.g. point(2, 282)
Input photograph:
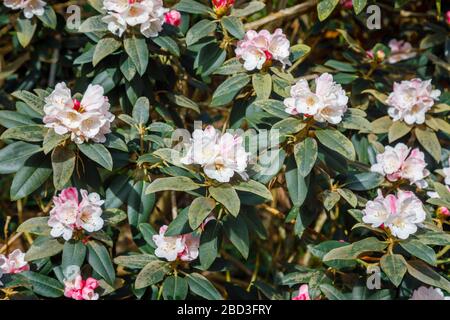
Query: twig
point(282, 14)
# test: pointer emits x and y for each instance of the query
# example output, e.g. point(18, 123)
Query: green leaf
point(141, 110)
point(305, 154)
point(31, 100)
point(100, 261)
point(191, 6)
point(330, 198)
point(237, 232)
point(183, 101)
point(331, 292)
point(363, 181)
point(36, 225)
point(30, 133)
point(428, 139)
point(296, 184)
point(262, 83)
point(152, 273)
point(394, 265)
point(336, 141)
point(200, 209)
point(52, 139)
point(25, 30)
point(349, 196)
point(175, 288)
point(104, 48)
point(229, 67)
point(209, 244)
point(74, 253)
point(180, 225)
point(397, 130)
point(227, 196)
point(340, 66)
point(201, 286)
point(427, 275)
point(63, 164)
point(98, 153)
point(250, 8)
point(273, 107)
point(32, 175)
point(43, 247)
point(113, 141)
point(234, 26)
point(11, 119)
point(139, 204)
point(325, 8)
point(137, 50)
point(135, 261)
point(167, 43)
point(48, 18)
point(419, 250)
point(359, 5)
point(299, 51)
point(352, 251)
point(254, 187)
point(93, 24)
point(200, 30)
point(172, 183)
point(44, 285)
point(14, 155)
point(226, 91)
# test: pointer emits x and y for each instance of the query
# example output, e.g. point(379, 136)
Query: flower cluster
point(424, 293)
point(411, 100)
point(402, 163)
point(183, 247)
point(400, 50)
point(327, 103)
point(88, 119)
point(78, 289)
point(70, 214)
point(303, 293)
point(30, 7)
point(259, 49)
point(221, 156)
point(401, 214)
point(14, 263)
point(148, 14)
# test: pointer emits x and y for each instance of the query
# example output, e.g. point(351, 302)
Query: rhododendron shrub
point(196, 149)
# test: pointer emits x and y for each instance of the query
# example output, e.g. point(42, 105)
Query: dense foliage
point(225, 150)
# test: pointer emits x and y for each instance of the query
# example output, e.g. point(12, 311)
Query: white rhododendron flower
point(69, 214)
point(221, 156)
point(78, 289)
point(400, 50)
point(13, 263)
point(183, 247)
point(401, 214)
point(402, 163)
point(149, 15)
point(30, 7)
point(261, 48)
point(327, 103)
point(88, 119)
point(424, 293)
point(411, 100)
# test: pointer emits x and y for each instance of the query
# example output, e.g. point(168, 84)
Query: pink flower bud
point(347, 4)
point(447, 17)
point(443, 211)
point(173, 17)
point(221, 7)
point(303, 293)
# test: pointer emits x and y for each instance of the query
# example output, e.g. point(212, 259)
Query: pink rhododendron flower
point(327, 104)
point(260, 48)
point(69, 214)
point(400, 50)
point(173, 17)
point(88, 119)
point(78, 289)
point(30, 7)
point(402, 163)
point(221, 7)
point(447, 17)
point(424, 293)
point(14, 263)
point(347, 4)
point(185, 247)
point(303, 293)
point(410, 100)
point(221, 156)
point(401, 214)
point(148, 14)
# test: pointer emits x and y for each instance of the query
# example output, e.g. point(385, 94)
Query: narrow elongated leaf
point(175, 288)
point(172, 183)
point(98, 153)
point(44, 285)
point(336, 141)
point(14, 155)
point(152, 273)
point(419, 250)
point(254, 187)
point(200, 30)
point(199, 209)
point(74, 253)
point(137, 50)
point(63, 164)
point(43, 247)
point(100, 261)
point(305, 154)
point(226, 92)
point(104, 48)
point(394, 265)
point(201, 286)
point(227, 196)
point(428, 139)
